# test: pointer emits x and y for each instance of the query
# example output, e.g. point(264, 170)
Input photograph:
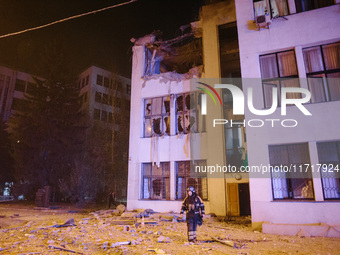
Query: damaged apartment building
point(166, 118)
point(270, 44)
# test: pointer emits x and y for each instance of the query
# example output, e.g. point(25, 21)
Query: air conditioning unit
point(262, 22)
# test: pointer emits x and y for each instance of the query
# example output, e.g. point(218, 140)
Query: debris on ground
point(140, 232)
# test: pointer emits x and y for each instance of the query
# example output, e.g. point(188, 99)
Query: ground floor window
point(292, 176)
point(156, 181)
point(329, 159)
point(184, 179)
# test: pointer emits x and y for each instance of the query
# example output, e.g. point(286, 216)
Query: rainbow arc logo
point(204, 97)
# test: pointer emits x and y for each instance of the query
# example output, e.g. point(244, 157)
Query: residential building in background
point(13, 86)
point(104, 93)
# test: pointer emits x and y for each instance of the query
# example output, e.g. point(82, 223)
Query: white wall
point(171, 148)
point(301, 30)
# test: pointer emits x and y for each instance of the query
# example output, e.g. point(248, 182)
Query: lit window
point(185, 178)
point(156, 181)
point(278, 70)
point(323, 72)
point(291, 184)
point(187, 113)
point(278, 8)
point(157, 116)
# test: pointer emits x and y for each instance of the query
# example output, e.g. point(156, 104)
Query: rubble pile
point(139, 232)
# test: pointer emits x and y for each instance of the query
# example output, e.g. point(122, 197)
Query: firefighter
point(194, 208)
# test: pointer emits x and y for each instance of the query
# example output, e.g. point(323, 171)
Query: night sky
point(101, 39)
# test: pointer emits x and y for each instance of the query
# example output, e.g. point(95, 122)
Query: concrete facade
point(296, 32)
point(111, 87)
point(171, 147)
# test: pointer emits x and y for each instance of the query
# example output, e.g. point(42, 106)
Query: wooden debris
point(63, 249)
point(225, 242)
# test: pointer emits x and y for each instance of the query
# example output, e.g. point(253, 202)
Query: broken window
point(184, 179)
point(186, 113)
point(156, 181)
point(157, 116)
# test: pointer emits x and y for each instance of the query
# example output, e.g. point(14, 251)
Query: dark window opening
point(307, 5)
point(20, 85)
point(98, 97)
point(106, 82)
point(99, 80)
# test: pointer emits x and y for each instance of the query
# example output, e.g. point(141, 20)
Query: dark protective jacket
point(193, 205)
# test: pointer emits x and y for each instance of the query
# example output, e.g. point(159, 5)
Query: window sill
point(295, 200)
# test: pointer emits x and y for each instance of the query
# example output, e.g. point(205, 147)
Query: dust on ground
point(28, 230)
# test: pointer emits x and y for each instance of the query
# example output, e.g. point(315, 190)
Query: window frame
point(99, 80)
point(20, 85)
point(322, 173)
point(164, 114)
point(280, 78)
point(289, 179)
point(201, 179)
point(323, 73)
point(315, 3)
point(165, 180)
point(191, 112)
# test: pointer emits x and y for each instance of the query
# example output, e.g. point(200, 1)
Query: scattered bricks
point(128, 214)
point(50, 242)
point(115, 212)
point(121, 222)
point(104, 245)
point(121, 208)
point(160, 239)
